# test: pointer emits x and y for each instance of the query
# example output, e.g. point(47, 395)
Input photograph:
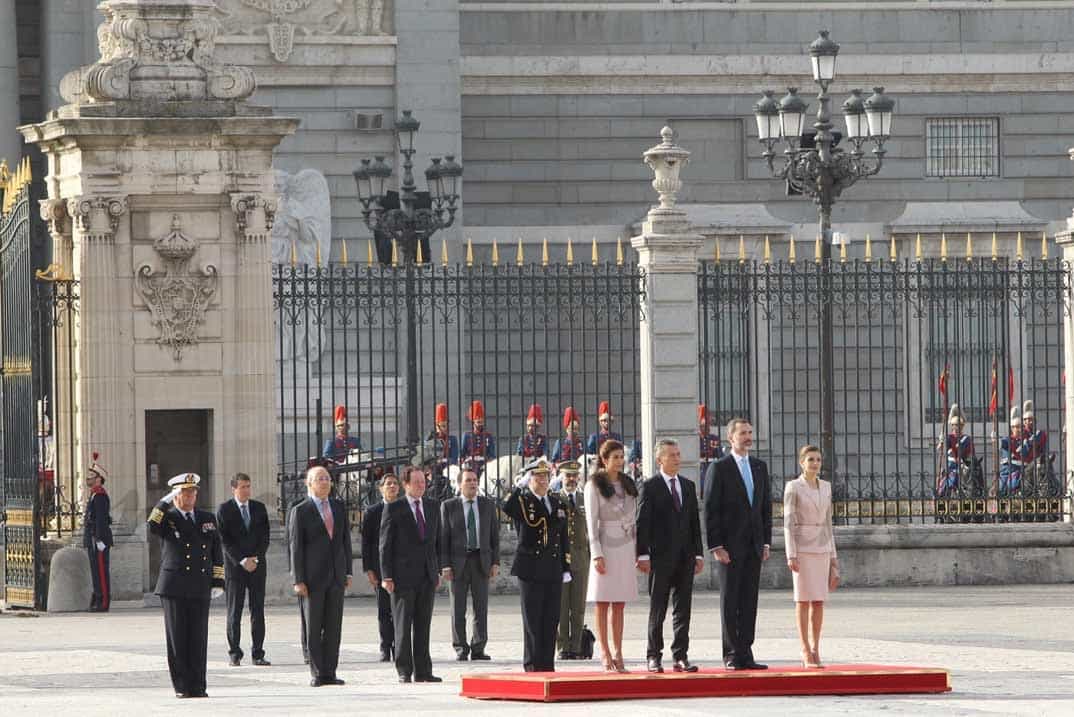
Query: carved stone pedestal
point(160, 204)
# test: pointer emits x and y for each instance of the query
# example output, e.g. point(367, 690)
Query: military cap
point(569, 467)
point(184, 480)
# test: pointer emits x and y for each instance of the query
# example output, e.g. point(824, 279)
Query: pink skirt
point(811, 580)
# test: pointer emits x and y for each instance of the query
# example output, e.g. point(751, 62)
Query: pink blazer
point(807, 518)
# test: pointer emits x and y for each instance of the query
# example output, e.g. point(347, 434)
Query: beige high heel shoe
point(815, 655)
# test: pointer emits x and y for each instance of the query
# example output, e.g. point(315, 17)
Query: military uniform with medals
point(572, 603)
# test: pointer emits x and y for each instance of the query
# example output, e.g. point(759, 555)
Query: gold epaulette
point(218, 572)
point(156, 516)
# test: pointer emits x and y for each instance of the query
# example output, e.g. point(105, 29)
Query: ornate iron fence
point(392, 342)
point(992, 328)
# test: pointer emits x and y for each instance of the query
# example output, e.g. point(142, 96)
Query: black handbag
point(588, 641)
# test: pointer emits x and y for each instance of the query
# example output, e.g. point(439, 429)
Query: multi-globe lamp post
point(814, 166)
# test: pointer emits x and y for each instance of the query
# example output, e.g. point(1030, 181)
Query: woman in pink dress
point(810, 547)
point(611, 500)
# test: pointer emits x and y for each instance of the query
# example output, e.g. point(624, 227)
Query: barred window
point(962, 147)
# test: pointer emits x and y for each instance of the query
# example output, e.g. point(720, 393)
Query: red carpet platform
point(713, 682)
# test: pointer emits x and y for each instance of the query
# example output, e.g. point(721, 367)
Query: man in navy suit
point(321, 567)
point(244, 531)
point(738, 521)
point(410, 572)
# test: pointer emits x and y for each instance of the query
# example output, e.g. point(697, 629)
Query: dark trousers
point(470, 581)
point(674, 581)
point(302, 631)
point(236, 595)
point(102, 577)
point(384, 619)
point(186, 627)
point(412, 613)
point(540, 619)
point(323, 611)
point(739, 584)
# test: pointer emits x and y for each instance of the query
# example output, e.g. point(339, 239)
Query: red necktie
point(329, 521)
point(675, 495)
point(421, 519)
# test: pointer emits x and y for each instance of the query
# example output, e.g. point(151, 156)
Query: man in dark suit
point(410, 572)
point(191, 573)
point(669, 550)
point(244, 531)
point(470, 556)
point(321, 568)
point(97, 536)
point(542, 564)
point(738, 522)
point(389, 491)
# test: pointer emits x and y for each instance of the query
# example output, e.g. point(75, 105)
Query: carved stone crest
point(177, 297)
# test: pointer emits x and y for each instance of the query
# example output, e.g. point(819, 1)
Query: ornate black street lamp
point(814, 166)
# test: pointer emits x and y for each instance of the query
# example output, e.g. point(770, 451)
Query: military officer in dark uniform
point(97, 535)
point(542, 563)
point(342, 443)
point(478, 445)
point(191, 572)
point(711, 448)
point(533, 444)
point(570, 447)
point(596, 440)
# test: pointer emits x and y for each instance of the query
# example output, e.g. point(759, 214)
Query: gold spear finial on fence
point(419, 257)
point(917, 248)
point(369, 252)
point(868, 249)
point(343, 251)
point(741, 249)
point(570, 251)
point(395, 253)
point(893, 252)
point(943, 247)
point(1044, 246)
point(317, 255)
point(843, 252)
point(767, 250)
point(995, 247)
point(294, 254)
point(544, 252)
point(5, 172)
point(520, 259)
point(619, 251)
point(1018, 247)
point(594, 255)
point(469, 251)
point(443, 252)
point(969, 246)
point(717, 248)
point(495, 253)
point(791, 256)
point(818, 251)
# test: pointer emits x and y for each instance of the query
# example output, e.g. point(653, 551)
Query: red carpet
point(712, 682)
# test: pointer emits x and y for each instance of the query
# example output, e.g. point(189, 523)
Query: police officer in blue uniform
point(191, 573)
point(542, 563)
point(342, 443)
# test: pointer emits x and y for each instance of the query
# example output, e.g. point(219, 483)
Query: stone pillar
point(10, 142)
point(667, 252)
point(161, 198)
point(1065, 241)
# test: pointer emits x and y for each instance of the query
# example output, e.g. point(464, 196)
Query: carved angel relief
point(177, 297)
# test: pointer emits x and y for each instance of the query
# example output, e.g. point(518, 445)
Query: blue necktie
point(245, 516)
point(747, 477)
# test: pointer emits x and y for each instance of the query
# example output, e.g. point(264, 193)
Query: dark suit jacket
point(241, 543)
point(666, 535)
point(371, 538)
point(97, 521)
point(543, 552)
point(316, 560)
point(453, 534)
point(404, 556)
point(191, 561)
point(730, 520)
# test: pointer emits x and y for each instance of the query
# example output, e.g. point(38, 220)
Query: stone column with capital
point(667, 252)
point(1065, 241)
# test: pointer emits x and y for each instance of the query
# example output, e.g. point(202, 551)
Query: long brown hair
point(600, 477)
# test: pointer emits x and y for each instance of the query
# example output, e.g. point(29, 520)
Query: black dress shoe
point(563, 655)
point(462, 657)
point(428, 678)
point(751, 665)
point(479, 656)
point(733, 665)
point(235, 661)
point(316, 682)
point(684, 665)
point(333, 680)
point(199, 694)
point(182, 695)
point(385, 655)
point(654, 665)
point(405, 679)
point(262, 662)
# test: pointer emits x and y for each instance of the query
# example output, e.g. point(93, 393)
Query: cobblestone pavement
point(1010, 651)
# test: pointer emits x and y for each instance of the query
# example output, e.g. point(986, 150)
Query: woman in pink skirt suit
point(810, 548)
point(611, 500)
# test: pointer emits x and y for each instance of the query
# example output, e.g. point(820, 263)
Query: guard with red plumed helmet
point(342, 443)
point(596, 440)
point(570, 446)
point(533, 443)
point(442, 444)
point(478, 445)
point(97, 535)
point(711, 448)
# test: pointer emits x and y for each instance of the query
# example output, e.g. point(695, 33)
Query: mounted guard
point(534, 443)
